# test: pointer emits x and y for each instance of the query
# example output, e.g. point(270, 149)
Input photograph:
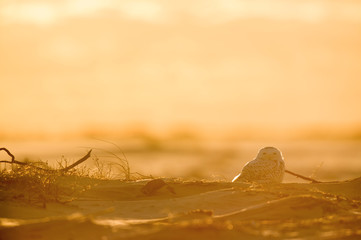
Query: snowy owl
point(268, 167)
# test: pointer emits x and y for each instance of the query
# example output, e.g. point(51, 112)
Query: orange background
point(236, 69)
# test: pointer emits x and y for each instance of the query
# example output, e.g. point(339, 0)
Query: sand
point(114, 209)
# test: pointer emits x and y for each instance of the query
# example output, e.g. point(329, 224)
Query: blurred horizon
point(230, 69)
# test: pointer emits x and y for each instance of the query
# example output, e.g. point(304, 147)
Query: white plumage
point(268, 167)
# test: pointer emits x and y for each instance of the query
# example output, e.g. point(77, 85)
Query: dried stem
point(47, 170)
point(303, 177)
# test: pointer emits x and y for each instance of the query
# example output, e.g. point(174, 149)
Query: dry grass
point(37, 186)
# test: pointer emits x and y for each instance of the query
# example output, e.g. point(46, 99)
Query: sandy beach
point(114, 209)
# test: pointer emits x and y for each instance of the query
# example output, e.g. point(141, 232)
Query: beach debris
point(154, 185)
point(303, 177)
point(62, 170)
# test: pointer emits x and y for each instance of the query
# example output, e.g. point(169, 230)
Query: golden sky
point(214, 66)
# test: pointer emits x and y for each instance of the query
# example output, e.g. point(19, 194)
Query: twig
point(9, 153)
point(77, 162)
point(47, 170)
point(12, 158)
point(303, 177)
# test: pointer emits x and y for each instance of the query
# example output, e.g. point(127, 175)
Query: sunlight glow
point(206, 11)
point(35, 13)
point(86, 7)
point(212, 65)
point(221, 11)
point(143, 10)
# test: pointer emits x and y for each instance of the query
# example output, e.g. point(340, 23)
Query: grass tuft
point(37, 186)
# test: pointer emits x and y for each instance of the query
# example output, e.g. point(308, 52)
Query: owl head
point(270, 153)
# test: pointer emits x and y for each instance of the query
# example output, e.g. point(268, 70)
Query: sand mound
point(295, 207)
point(72, 227)
point(193, 210)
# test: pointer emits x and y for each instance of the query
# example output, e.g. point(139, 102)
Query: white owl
point(268, 167)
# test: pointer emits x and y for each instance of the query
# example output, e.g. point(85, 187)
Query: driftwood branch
point(9, 153)
point(303, 177)
point(77, 162)
point(12, 158)
point(13, 161)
